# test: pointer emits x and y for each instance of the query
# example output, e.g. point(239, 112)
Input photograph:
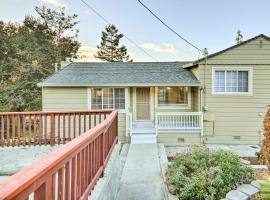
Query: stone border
point(163, 161)
point(244, 192)
point(107, 187)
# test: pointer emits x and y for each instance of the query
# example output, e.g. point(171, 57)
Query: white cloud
point(55, 3)
point(86, 54)
point(162, 48)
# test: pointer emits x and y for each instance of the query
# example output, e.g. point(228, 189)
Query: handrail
point(32, 128)
point(69, 172)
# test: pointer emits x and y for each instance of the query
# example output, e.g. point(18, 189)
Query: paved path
point(141, 178)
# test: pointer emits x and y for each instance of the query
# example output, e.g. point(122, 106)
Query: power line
point(170, 28)
point(107, 21)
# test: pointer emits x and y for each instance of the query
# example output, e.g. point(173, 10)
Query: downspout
point(205, 53)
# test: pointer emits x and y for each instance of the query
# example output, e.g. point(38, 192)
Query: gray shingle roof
point(122, 74)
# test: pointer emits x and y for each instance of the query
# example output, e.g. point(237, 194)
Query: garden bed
point(204, 174)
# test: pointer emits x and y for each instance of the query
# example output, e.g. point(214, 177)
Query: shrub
point(201, 174)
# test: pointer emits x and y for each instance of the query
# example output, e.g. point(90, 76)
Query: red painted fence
point(36, 128)
point(69, 172)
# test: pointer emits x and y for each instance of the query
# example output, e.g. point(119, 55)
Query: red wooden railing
point(69, 172)
point(32, 128)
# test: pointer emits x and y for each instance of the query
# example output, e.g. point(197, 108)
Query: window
point(108, 98)
point(231, 81)
point(172, 96)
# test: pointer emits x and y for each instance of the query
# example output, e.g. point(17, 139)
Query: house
point(220, 99)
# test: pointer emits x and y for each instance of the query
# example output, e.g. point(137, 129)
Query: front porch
point(156, 110)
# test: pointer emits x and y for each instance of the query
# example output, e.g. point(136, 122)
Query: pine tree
point(109, 49)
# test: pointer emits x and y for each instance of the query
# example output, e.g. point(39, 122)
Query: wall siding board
point(67, 99)
point(238, 115)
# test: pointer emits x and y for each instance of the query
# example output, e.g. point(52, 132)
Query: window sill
point(232, 94)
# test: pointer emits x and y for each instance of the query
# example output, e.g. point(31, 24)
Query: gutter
point(116, 85)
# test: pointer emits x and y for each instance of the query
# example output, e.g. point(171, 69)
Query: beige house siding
point(236, 119)
point(68, 99)
point(179, 139)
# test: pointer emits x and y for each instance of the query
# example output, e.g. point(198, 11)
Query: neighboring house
point(218, 100)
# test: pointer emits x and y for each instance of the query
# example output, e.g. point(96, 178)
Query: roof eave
point(117, 85)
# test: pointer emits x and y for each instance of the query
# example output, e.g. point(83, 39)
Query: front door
point(143, 103)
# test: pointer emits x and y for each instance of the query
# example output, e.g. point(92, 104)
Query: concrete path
point(141, 178)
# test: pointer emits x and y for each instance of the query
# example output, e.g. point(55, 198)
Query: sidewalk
point(141, 178)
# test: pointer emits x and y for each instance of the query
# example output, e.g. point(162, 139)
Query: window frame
point(89, 94)
point(172, 106)
point(250, 80)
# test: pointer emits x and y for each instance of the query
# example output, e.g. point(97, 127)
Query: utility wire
point(107, 21)
point(170, 28)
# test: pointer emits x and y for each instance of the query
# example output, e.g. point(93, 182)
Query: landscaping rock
point(257, 183)
point(248, 189)
point(236, 195)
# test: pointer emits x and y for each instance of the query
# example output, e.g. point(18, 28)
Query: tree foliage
point(28, 53)
point(109, 49)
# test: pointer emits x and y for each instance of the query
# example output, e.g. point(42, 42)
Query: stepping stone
point(236, 195)
point(257, 183)
point(248, 189)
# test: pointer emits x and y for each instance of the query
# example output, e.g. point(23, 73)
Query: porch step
point(143, 124)
point(143, 139)
point(145, 131)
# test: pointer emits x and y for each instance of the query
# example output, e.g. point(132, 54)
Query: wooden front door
point(143, 103)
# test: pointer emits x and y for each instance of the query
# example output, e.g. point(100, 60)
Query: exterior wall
point(67, 99)
point(230, 116)
point(179, 139)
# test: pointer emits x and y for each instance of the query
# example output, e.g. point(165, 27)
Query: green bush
point(201, 174)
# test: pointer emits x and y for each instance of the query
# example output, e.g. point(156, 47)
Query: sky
point(210, 24)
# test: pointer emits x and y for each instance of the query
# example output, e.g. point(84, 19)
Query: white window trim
point(175, 106)
point(250, 81)
point(89, 99)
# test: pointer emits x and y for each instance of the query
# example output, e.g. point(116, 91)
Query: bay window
point(173, 96)
point(231, 81)
point(108, 98)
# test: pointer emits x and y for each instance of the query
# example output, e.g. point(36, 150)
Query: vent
point(236, 137)
point(181, 139)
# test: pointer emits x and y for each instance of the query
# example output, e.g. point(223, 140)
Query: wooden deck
point(69, 172)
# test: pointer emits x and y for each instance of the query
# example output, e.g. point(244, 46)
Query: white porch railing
point(179, 121)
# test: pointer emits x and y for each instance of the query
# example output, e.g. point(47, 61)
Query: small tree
point(109, 49)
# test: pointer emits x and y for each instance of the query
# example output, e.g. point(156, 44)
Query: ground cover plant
point(202, 174)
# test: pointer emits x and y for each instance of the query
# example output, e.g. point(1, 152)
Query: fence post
point(52, 136)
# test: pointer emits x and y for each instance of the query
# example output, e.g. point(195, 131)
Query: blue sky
point(210, 23)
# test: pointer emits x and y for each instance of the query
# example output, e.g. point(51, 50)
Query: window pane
point(119, 98)
point(242, 81)
point(173, 95)
point(107, 98)
point(231, 81)
point(96, 98)
point(219, 81)
point(236, 81)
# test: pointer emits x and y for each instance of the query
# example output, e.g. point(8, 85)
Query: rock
point(257, 183)
point(248, 189)
point(245, 162)
point(236, 195)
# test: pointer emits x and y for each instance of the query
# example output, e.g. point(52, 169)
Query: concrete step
point(143, 124)
point(143, 139)
point(144, 131)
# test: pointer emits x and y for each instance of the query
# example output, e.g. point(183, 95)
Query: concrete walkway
point(141, 178)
